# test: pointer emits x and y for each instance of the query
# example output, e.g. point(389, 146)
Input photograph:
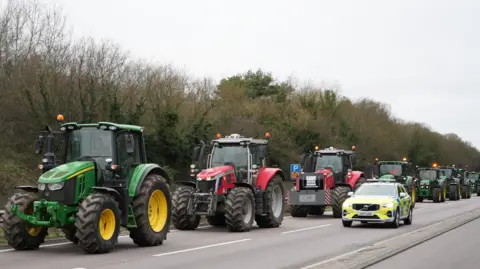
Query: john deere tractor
point(104, 183)
point(400, 171)
point(454, 183)
point(433, 184)
point(474, 182)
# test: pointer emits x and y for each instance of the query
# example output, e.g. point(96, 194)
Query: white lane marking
point(203, 247)
point(364, 248)
point(305, 229)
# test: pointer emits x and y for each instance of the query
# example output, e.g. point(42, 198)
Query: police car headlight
point(56, 186)
point(346, 204)
point(41, 186)
point(388, 205)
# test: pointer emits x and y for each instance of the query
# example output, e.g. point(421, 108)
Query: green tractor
point(104, 183)
point(432, 185)
point(474, 182)
point(400, 171)
point(456, 181)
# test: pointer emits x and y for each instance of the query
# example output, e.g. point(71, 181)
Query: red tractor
point(233, 187)
point(325, 180)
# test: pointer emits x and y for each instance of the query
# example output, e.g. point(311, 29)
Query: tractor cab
point(245, 155)
point(399, 170)
point(473, 176)
point(339, 162)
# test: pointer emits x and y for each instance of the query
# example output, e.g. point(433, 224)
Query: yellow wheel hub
point(107, 224)
point(157, 211)
point(413, 195)
point(33, 231)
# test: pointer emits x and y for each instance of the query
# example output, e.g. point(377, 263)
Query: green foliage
point(42, 74)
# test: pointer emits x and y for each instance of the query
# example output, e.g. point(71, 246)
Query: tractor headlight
point(41, 186)
point(56, 186)
point(388, 205)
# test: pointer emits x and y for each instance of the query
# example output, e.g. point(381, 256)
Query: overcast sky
point(420, 56)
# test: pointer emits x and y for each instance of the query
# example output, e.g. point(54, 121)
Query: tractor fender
point(265, 175)
point(187, 183)
point(27, 188)
point(344, 185)
point(139, 174)
point(111, 191)
point(354, 177)
point(243, 184)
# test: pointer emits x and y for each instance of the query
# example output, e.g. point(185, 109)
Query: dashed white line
point(305, 229)
point(203, 247)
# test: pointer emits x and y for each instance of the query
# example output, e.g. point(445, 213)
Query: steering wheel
point(86, 158)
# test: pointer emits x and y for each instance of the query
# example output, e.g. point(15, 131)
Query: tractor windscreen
point(234, 153)
point(392, 169)
point(428, 174)
point(376, 190)
point(473, 176)
point(333, 161)
point(448, 172)
point(88, 141)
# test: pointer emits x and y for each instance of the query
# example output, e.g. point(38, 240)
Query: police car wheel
point(408, 220)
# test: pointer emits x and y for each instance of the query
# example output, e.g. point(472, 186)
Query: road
point(297, 243)
point(455, 249)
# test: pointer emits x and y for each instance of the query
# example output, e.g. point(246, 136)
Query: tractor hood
point(324, 171)
point(425, 181)
point(214, 172)
point(65, 171)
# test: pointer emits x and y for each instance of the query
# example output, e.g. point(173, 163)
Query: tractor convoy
point(104, 182)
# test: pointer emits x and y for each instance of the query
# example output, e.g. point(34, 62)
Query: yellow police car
point(378, 202)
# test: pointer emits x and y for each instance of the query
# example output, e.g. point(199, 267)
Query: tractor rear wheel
point(444, 194)
point(98, 223)
point(180, 200)
point(152, 207)
point(453, 193)
point(274, 201)
point(19, 234)
point(359, 182)
point(216, 220)
point(437, 195)
point(299, 211)
point(339, 195)
point(316, 210)
point(69, 232)
point(240, 209)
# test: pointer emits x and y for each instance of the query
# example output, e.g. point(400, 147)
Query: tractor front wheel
point(453, 193)
point(359, 182)
point(19, 234)
point(274, 200)
point(180, 200)
point(240, 209)
point(152, 207)
point(339, 195)
point(98, 223)
point(437, 195)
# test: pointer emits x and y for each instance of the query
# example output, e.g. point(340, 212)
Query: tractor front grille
point(206, 186)
point(65, 195)
point(366, 207)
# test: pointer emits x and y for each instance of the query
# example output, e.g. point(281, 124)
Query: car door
point(401, 206)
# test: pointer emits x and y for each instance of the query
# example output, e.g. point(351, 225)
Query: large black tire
point(180, 199)
point(396, 221)
point(359, 182)
point(316, 210)
point(409, 219)
point(92, 210)
point(453, 194)
point(339, 195)
point(240, 209)
point(478, 189)
point(153, 196)
point(69, 232)
point(299, 211)
point(444, 194)
point(18, 233)
point(437, 195)
point(217, 220)
point(274, 197)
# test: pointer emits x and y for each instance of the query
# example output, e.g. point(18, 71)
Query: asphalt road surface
point(455, 249)
point(299, 242)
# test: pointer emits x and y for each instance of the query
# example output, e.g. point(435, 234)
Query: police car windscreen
point(376, 189)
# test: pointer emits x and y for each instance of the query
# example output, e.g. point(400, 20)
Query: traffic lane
point(180, 243)
point(292, 248)
point(454, 249)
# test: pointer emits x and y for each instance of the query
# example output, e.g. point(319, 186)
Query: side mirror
point(350, 193)
point(302, 159)
point(130, 144)
point(403, 195)
point(39, 145)
point(262, 152)
point(353, 159)
point(196, 151)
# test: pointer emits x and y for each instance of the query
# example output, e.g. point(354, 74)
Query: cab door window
point(128, 160)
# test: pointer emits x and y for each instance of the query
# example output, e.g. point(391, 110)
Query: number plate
point(365, 214)
point(307, 198)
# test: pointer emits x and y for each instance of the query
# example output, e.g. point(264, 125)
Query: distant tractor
point(401, 172)
point(105, 183)
point(474, 182)
point(456, 181)
point(326, 179)
point(233, 186)
point(433, 184)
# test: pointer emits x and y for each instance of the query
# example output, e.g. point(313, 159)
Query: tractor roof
point(236, 139)
point(332, 150)
point(428, 168)
point(102, 125)
point(393, 162)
